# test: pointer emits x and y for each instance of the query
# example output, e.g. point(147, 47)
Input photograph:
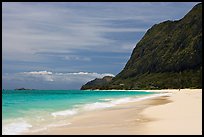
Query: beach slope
point(179, 112)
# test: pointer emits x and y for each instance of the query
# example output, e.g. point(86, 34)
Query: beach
point(182, 116)
point(178, 112)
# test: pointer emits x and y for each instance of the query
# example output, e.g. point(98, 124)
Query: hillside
point(168, 56)
point(94, 84)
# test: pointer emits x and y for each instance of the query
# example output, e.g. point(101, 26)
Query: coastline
point(176, 113)
point(148, 90)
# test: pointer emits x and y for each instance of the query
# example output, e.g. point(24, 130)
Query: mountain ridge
point(168, 56)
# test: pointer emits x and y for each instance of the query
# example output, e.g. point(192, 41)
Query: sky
point(63, 45)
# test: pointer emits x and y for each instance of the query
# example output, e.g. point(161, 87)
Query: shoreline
point(140, 117)
point(145, 90)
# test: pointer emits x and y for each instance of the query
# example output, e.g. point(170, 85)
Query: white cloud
point(79, 77)
point(38, 73)
point(28, 28)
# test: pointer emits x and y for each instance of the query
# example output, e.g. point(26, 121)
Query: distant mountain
point(168, 56)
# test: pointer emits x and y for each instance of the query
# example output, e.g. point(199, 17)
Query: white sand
point(178, 113)
point(182, 116)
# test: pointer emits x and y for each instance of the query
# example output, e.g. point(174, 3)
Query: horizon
point(61, 46)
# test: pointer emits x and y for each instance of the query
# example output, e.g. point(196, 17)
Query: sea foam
point(114, 102)
point(15, 128)
point(103, 105)
point(68, 112)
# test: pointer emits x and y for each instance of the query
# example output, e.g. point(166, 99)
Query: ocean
point(36, 110)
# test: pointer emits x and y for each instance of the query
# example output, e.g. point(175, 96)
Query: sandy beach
point(182, 116)
point(176, 113)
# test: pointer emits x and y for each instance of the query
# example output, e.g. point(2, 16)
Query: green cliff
point(168, 56)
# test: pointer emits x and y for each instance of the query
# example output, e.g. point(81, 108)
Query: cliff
point(168, 56)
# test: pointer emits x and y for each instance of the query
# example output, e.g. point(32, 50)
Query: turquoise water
point(37, 109)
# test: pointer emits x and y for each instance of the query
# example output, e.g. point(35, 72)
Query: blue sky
point(64, 45)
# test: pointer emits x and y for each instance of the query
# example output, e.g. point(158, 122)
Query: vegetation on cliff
point(168, 56)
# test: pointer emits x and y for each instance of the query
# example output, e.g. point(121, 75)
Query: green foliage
point(165, 50)
point(168, 56)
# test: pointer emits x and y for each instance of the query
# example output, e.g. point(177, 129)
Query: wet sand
point(177, 113)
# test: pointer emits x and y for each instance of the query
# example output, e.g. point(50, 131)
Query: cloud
point(79, 77)
point(38, 73)
point(76, 58)
point(29, 28)
point(50, 80)
point(128, 46)
point(44, 75)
